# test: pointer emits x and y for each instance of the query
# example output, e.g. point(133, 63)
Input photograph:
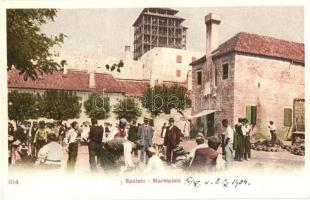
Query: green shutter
point(253, 114)
point(288, 117)
point(248, 113)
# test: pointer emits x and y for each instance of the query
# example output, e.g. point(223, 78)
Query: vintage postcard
point(154, 100)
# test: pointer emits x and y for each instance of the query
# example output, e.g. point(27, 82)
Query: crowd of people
point(115, 148)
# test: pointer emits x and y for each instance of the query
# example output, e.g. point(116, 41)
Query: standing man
point(62, 132)
point(273, 132)
point(33, 131)
point(85, 132)
point(240, 132)
point(247, 140)
point(10, 141)
point(229, 136)
point(72, 145)
point(40, 138)
point(145, 134)
point(172, 140)
point(95, 143)
point(163, 130)
point(187, 128)
point(121, 131)
point(223, 143)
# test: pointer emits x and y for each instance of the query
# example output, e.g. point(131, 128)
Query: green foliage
point(60, 104)
point(28, 49)
point(161, 99)
point(133, 133)
point(128, 109)
point(97, 106)
point(22, 106)
point(115, 66)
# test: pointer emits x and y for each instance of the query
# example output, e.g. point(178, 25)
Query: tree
point(97, 106)
point(28, 49)
point(60, 104)
point(161, 99)
point(115, 66)
point(129, 109)
point(22, 106)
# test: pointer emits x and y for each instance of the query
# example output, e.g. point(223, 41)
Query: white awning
point(203, 113)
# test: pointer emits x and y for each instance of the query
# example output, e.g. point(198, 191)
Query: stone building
point(249, 75)
point(162, 65)
point(157, 66)
point(158, 27)
point(81, 82)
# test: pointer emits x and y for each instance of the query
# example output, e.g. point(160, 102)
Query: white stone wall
point(271, 85)
point(162, 64)
point(132, 69)
point(157, 65)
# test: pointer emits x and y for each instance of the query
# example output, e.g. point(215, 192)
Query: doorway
point(210, 124)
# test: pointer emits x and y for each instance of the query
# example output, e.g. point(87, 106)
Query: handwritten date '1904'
point(223, 182)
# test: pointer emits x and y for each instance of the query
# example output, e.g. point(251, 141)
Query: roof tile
point(260, 45)
point(77, 81)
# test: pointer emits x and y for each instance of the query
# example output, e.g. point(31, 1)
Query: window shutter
point(254, 114)
point(251, 114)
point(288, 117)
point(248, 114)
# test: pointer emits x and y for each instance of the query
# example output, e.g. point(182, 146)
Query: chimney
point(92, 83)
point(212, 28)
point(65, 72)
point(127, 52)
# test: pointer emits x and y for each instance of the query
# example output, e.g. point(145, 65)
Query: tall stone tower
point(158, 27)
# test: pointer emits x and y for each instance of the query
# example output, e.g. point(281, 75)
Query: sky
point(109, 30)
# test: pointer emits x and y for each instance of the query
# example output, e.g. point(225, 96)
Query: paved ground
point(260, 160)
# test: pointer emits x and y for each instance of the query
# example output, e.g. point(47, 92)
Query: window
point(178, 73)
point(288, 112)
point(225, 71)
point(194, 59)
point(251, 114)
point(179, 59)
point(199, 77)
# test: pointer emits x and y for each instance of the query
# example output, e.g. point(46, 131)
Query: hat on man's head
point(123, 120)
point(200, 135)
point(214, 142)
point(214, 139)
point(152, 150)
point(171, 119)
point(52, 137)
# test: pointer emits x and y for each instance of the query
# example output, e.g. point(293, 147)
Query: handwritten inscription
point(223, 182)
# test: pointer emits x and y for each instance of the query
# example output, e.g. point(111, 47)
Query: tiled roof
point(171, 83)
point(198, 61)
point(260, 45)
point(77, 81)
point(134, 88)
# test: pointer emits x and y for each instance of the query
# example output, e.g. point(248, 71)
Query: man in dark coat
point(247, 140)
point(95, 143)
point(172, 140)
point(239, 131)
